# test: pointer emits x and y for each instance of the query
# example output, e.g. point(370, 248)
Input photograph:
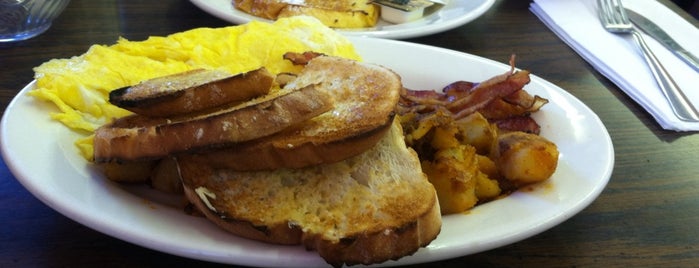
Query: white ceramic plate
point(40, 153)
point(454, 14)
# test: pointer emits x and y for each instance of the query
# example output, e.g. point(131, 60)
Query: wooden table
point(648, 215)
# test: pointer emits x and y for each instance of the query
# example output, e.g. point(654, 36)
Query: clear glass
point(24, 19)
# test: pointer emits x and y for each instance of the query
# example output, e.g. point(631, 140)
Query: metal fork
point(614, 20)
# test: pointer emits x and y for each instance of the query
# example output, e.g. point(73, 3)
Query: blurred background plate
point(452, 15)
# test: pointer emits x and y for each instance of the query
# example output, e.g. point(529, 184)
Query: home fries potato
point(79, 86)
point(476, 140)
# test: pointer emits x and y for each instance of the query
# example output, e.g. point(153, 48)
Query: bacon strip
point(519, 123)
point(500, 99)
point(517, 103)
point(494, 88)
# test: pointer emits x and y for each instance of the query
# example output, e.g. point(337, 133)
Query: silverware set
point(615, 20)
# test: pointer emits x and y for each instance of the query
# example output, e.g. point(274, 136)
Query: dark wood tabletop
point(648, 215)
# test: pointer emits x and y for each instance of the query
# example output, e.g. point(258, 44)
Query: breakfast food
point(138, 137)
point(79, 86)
point(367, 209)
point(402, 11)
point(192, 91)
point(367, 201)
point(477, 141)
point(365, 98)
point(335, 14)
point(360, 179)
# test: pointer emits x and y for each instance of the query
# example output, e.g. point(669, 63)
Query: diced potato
point(453, 174)
point(486, 188)
point(487, 166)
point(444, 138)
point(525, 158)
point(423, 127)
point(476, 131)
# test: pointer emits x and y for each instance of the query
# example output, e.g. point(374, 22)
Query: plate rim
point(20, 172)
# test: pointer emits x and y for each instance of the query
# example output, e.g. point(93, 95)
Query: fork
point(614, 19)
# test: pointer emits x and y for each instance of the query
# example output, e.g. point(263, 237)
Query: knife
point(658, 34)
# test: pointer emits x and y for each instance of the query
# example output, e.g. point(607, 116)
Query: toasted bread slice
point(367, 209)
point(136, 137)
point(365, 98)
point(192, 91)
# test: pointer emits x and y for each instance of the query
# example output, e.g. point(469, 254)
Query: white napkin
point(617, 56)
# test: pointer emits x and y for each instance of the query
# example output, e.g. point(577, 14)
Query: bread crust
point(365, 98)
point(137, 138)
point(192, 91)
point(375, 247)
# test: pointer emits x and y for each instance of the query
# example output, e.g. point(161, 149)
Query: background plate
point(450, 16)
point(41, 155)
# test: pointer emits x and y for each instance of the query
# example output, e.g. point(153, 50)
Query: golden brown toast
point(369, 208)
point(191, 92)
point(136, 137)
point(365, 97)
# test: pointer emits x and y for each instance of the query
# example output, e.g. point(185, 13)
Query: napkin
point(619, 58)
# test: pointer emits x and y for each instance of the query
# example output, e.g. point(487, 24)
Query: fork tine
point(604, 12)
point(621, 13)
point(614, 11)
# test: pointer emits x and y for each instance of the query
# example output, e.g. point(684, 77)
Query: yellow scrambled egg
point(80, 86)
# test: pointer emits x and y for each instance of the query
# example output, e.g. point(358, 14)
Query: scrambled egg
point(80, 86)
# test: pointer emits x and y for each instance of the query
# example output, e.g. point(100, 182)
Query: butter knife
point(658, 34)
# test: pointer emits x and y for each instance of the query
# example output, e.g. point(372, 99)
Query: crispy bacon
point(463, 98)
point(301, 58)
point(517, 103)
point(519, 123)
point(458, 89)
point(500, 99)
point(492, 89)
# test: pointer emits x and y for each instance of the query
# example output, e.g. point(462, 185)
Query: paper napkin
point(618, 58)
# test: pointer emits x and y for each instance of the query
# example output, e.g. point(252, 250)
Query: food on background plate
point(402, 11)
point(345, 14)
point(335, 14)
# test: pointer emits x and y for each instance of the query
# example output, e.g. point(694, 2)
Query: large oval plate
point(41, 154)
point(453, 14)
